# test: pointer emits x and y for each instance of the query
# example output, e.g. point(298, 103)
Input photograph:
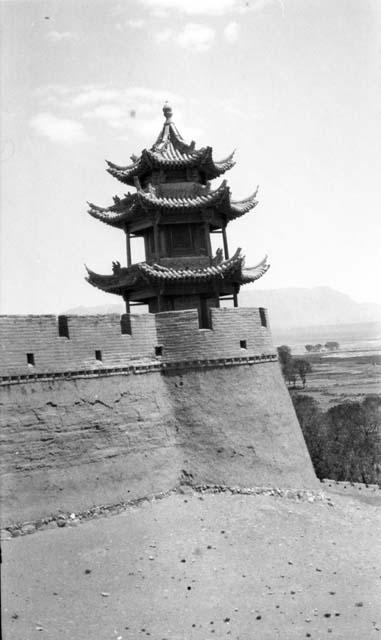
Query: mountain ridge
point(288, 308)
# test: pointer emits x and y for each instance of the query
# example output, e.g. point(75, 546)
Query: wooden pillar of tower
point(128, 247)
point(156, 240)
point(235, 295)
point(207, 234)
point(127, 303)
point(225, 241)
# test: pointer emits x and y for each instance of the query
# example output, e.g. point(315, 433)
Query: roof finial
point(167, 110)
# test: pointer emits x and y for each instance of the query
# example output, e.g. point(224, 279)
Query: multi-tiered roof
point(175, 210)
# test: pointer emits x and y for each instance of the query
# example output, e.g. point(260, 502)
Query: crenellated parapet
point(33, 346)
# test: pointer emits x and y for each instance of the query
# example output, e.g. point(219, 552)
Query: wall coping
point(137, 369)
point(118, 315)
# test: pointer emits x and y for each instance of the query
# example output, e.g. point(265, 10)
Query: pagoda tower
point(175, 210)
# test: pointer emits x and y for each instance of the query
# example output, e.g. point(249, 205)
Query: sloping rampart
point(90, 438)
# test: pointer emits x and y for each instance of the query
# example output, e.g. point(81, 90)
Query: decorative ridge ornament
point(167, 110)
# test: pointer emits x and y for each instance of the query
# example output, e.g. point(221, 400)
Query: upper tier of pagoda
point(170, 151)
point(220, 272)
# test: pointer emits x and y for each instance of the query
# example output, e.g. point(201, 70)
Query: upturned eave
point(125, 280)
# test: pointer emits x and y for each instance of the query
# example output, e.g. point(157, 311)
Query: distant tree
point(291, 374)
point(285, 359)
point(353, 441)
point(332, 346)
point(345, 442)
point(312, 422)
point(372, 410)
point(302, 367)
point(292, 367)
point(313, 347)
point(284, 354)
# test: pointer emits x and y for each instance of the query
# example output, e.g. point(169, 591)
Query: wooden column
point(225, 241)
point(128, 247)
point(207, 235)
point(127, 302)
point(156, 239)
point(235, 296)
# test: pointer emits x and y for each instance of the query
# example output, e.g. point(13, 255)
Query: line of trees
point(344, 442)
point(331, 345)
point(293, 368)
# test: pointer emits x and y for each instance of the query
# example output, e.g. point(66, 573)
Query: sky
point(293, 85)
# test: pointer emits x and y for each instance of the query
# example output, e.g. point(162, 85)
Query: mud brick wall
point(39, 335)
point(68, 445)
point(179, 334)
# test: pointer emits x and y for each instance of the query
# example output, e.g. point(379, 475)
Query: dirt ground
point(199, 567)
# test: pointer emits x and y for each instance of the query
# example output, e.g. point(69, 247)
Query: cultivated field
point(336, 379)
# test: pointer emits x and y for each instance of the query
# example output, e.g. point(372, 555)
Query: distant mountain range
point(297, 307)
point(290, 307)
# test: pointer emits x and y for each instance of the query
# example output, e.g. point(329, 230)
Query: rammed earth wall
point(206, 409)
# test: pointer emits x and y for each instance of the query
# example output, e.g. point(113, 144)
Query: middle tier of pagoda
point(175, 211)
point(191, 200)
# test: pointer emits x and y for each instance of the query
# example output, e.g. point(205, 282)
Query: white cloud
point(231, 32)
point(195, 37)
point(130, 24)
point(192, 7)
point(59, 129)
point(59, 36)
point(161, 8)
point(113, 114)
point(164, 36)
point(93, 95)
point(236, 111)
point(135, 24)
point(135, 109)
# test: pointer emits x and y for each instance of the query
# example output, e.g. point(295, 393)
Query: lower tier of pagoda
point(143, 281)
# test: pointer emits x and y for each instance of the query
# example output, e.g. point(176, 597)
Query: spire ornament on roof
point(171, 152)
point(167, 110)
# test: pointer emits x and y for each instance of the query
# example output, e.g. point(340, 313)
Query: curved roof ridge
point(205, 197)
point(118, 167)
point(240, 207)
point(225, 163)
point(249, 198)
point(250, 274)
point(114, 214)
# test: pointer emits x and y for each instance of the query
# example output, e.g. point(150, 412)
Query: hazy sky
point(293, 85)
